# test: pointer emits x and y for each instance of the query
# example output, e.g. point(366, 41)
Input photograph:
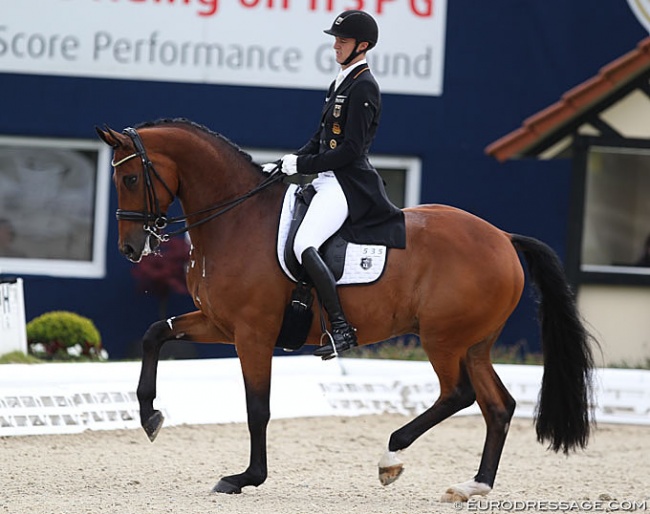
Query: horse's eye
point(130, 181)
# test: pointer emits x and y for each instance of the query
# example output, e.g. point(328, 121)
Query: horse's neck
point(210, 175)
point(210, 184)
point(217, 185)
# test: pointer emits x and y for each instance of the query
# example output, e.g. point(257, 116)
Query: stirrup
point(347, 339)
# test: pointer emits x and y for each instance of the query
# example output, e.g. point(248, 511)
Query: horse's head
point(146, 183)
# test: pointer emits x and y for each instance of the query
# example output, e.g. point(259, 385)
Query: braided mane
point(201, 128)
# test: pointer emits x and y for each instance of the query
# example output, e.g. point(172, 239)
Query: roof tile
point(573, 103)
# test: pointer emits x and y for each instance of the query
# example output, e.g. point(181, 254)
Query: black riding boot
point(342, 332)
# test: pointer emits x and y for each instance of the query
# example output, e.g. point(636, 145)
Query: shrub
point(18, 357)
point(63, 335)
point(163, 273)
point(406, 347)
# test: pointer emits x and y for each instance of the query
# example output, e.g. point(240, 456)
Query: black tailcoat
point(347, 128)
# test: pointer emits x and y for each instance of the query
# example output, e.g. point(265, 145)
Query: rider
point(347, 186)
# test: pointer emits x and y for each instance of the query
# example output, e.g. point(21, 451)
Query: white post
point(13, 336)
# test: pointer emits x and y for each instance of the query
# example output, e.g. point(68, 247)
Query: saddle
point(350, 263)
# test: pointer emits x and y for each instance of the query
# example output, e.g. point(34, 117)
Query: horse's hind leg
point(497, 407)
point(456, 393)
point(191, 327)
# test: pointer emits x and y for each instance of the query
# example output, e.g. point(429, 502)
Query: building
point(601, 126)
point(456, 76)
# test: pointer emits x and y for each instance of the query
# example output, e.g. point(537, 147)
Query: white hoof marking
point(462, 492)
point(390, 468)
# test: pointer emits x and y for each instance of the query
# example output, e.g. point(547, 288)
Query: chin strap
point(353, 55)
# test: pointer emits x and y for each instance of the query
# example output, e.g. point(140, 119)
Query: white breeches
point(327, 212)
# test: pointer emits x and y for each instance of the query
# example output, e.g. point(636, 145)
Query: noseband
point(153, 219)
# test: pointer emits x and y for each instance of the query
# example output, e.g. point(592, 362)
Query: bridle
point(153, 218)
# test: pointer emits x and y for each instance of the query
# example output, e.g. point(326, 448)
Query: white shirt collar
point(344, 73)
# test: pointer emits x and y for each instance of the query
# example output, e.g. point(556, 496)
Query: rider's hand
point(270, 167)
point(290, 164)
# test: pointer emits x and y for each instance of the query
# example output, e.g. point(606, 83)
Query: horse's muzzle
point(130, 253)
point(135, 249)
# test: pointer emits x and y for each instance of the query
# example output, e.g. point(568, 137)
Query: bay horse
point(455, 285)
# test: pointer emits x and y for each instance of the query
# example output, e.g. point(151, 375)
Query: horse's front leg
point(255, 361)
point(193, 327)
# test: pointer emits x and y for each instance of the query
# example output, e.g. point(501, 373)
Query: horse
point(454, 285)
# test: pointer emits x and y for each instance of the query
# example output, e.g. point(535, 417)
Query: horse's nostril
point(127, 250)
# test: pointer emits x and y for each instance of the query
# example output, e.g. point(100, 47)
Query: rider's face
point(345, 46)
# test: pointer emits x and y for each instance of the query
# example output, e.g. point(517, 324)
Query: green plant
point(517, 353)
point(408, 348)
point(643, 363)
point(400, 348)
point(18, 357)
point(63, 335)
point(163, 273)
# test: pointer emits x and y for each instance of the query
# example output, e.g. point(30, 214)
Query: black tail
point(564, 410)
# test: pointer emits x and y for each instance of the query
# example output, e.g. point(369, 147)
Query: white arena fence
point(66, 398)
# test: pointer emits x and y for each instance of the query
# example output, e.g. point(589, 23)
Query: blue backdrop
point(505, 60)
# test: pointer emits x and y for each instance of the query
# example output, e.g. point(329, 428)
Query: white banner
point(12, 317)
point(263, 43)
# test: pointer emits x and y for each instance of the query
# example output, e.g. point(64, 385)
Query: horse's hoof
point(153, 425)
point(389, 475)
point(462, 492)
point(452, 496)
point(390, 468)
point(226, 488)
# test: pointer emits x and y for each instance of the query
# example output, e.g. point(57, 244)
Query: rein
point(157, 220)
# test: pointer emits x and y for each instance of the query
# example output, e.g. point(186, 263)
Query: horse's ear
point(109, 136)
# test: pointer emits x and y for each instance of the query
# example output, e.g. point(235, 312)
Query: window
point(616, 223)
point(401, 174)
point(53, 207)
point(403, 178)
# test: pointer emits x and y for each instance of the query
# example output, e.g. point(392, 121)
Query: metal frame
point(577, 272)
point(412, 167)
point(96, 266)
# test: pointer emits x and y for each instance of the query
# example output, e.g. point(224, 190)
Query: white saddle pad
point(363, 263)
